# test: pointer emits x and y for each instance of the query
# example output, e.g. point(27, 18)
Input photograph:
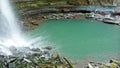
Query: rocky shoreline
point(113, 63)
point(45, 57)
point(36, 12)
point(26, 57)
point(31, 22)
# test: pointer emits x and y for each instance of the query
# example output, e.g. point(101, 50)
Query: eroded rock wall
point(94, 2)
point(81, 2)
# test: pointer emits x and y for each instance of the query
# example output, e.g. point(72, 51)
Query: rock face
point(29, 10)
point(34, 58)
point(36, 4)
point(78, 2)
point(95, 2)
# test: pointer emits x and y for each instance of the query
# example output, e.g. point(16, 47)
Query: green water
point(80, 39)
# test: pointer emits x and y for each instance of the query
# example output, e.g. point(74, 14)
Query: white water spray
point(10, 33)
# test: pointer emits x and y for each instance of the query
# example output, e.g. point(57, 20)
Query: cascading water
point(14, 51)
point(10, 33)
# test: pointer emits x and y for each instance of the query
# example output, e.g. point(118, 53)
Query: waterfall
point(10, 32)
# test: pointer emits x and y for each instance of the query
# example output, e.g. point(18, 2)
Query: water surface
point(80, 39)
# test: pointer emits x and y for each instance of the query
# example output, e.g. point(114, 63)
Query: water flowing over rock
point(10, 33)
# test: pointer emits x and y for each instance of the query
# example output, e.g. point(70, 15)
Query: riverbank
point(46, 58)
point(113, 63)
point(31, 19)
point(34, 58)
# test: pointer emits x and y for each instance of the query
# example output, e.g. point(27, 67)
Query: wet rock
point(11, 65)
point(111, 64)
point(33, 58)
point(48, 48)
point(2, 58)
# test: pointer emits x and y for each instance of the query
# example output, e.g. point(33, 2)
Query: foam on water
point(10, 33)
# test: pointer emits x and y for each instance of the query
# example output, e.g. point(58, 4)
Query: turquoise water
point(80, 39)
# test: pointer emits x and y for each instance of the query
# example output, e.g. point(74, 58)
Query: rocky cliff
point(77, 2)
point(95, 2)
point(30, 10)
point(26, 4)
